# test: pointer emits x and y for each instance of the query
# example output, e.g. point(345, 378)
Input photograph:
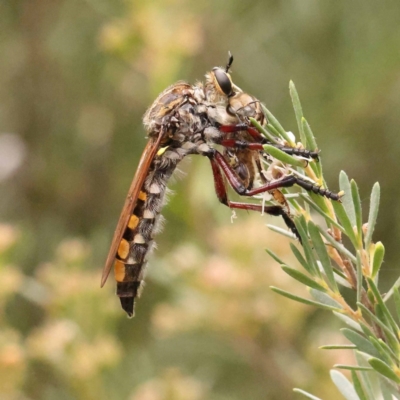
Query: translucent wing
point(147, 157)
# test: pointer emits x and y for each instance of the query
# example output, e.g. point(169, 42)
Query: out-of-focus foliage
point(75, 79)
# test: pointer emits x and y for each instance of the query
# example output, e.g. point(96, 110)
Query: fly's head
point(228, 104)
point(219, 86)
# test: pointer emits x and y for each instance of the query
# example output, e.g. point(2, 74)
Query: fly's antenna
point(230, 61)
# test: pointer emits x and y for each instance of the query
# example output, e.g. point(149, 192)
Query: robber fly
point(191, 119)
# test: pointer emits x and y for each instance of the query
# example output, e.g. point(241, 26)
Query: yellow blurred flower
point(12, 363)
point(173, 384)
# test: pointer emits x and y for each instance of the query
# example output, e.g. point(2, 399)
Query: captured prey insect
point(191, 119)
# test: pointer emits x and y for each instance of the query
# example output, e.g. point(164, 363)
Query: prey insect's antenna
point(246, 105)
point(230, 61)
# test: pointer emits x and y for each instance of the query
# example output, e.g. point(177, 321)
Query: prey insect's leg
point(260, 140)
point(222, 195)
point(286, 181)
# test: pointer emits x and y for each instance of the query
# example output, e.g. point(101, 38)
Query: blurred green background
point(75, 80)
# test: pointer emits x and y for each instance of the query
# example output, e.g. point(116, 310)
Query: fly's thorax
point(163, 108)
point(191, 119)
point(212, 135)
point(198, 92)
point(218, 114)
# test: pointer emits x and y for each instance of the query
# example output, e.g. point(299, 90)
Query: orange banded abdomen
point(137, 240)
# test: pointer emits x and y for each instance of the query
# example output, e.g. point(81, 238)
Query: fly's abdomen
point(137, 240)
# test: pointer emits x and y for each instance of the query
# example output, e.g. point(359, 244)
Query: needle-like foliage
point(331, 262)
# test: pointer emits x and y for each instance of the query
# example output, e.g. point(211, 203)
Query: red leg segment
point(260, 139)
point(253, 132)
point(286, 181)
point(222, 195)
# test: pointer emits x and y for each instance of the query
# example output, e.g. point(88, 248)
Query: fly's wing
point(147, 157)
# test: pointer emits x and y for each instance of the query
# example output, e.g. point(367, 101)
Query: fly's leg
point(260, 140)
point(222, 195)
point(286, 181)
point(253, 132)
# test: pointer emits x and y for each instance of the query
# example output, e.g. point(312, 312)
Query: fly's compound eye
point(223, 81)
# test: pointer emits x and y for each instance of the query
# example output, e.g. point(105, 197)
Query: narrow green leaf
point(284, 157)
point(379, 312)
point(304, 279)
point(297, 110)
point(345, 387)
point(274, 133)
point(264, 131)
point(345, 221)
point(357, 386)
point(388, 389)
point(384, 369)
point(320, 211)
point(382, 304)
point(347, 320)
point(386, 395)
point(275, 257)
point(303, 300)
point(319, 200)
point(323, 256)
point(379, 254)
point(278, 127)
point(338, 246)
point(373, 213)
point(366, 330)
point(389, 294)
point(361, 342)
point(301, 226)
point(303, 392)
point(351, 367)
point(282, 231)
point(365, 376)
point(357, 208)
point(347, 200)
point(312, 145)
point(292, 199)
point(397, 301)
point(388, 332)
point(392, 338)
point(341, 279)
point(338, 347)
point(324, 298)
point(300, 258)
point(316, 166)
point(301, 223)
point(309, 136)
point(389, 351)
point(385, 352)
point(359, 277)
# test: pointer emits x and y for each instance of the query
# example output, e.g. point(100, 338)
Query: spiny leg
point(260, 140)
point(222, 195)
point(286, 181)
